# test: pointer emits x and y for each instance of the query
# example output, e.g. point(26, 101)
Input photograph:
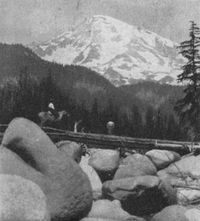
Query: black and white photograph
point(100, 110)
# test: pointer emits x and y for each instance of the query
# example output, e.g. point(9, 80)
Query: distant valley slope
point(122, 53)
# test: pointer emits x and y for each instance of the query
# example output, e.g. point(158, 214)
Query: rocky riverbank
point(43, 181)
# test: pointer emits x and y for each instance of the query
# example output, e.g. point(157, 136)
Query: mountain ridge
point(122, 53)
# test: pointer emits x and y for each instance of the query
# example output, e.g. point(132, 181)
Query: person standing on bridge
point(110, 127)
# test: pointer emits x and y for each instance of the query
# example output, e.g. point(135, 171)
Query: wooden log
point(114, 142)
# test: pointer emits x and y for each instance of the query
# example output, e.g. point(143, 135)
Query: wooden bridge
point(114, 142)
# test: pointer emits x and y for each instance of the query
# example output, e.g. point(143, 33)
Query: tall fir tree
point(95, 117)
point(48, 89)
point(27, 96)
point(159, 125)
point(149, 123)
point(188, 107)
point(136, 123)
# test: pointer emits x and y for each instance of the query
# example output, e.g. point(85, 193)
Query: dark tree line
point(26, 96)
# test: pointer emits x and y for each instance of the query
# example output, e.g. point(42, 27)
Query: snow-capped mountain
point(122, 53)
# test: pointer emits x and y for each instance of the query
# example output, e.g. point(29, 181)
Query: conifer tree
point(47, 90)
point(173, 130)
point(136, 123)
point(149, 122)
point(95, 117)
point(188, 107)
point(159, 125)
point(27, 96)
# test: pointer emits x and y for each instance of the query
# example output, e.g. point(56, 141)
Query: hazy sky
point(25, 21)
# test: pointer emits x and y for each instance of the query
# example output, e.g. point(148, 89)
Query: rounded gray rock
point(105, 163)
point(184, 174)
point(135, 165)
point(171, 213)
point(93, 177)
point(30, 153)
point(21, 199)
point(162, 158)
point(71, 149)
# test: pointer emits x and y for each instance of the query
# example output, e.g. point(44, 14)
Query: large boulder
point(177, 213)
point(187, 196)
point(185, 176)
point(93, 177)
point(141, 195)
point(71, 149)
point(109, 219)
point(109, 210)
point(171, 213)
point(105, 162)
point(193, 214)
point(28, 152)
point(135, 165)
point(11, 163)
point(162, 158)
point(21, 199)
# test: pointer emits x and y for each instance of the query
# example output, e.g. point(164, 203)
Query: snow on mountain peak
point(120, 52)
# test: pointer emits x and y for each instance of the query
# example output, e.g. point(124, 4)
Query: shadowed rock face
point(106, 210)
point(140, 195)
point(66, 186)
